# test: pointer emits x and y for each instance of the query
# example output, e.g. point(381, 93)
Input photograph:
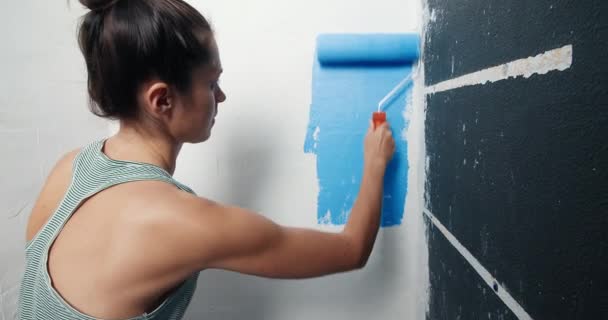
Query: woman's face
point(194, 113)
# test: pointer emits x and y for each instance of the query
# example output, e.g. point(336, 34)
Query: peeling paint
point(558, 59)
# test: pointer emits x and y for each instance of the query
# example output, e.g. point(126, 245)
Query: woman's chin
point(205, 134)
point(201, 137)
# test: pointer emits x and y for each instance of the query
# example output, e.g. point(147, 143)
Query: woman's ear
point(157, 99)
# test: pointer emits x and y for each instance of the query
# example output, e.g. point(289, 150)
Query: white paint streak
point(556, 59)
point(326, 219)
point(502, 293)
point(452, 64)
point(415, 228)
point(315, 136)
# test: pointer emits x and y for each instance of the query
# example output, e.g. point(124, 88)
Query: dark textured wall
point(518, 169)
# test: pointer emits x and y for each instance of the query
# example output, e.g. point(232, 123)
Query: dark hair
point(126, 42)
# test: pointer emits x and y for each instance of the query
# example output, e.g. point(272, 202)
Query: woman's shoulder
point(165, 222)
point(53, 191)
point(154, 203)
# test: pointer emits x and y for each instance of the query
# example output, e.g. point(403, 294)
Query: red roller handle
point(378, 118)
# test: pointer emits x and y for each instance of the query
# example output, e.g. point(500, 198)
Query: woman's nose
point(220, 96)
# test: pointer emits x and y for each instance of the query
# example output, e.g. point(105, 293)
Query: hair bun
point(98, 5)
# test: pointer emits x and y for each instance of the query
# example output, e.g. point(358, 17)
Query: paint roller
point(370, 50)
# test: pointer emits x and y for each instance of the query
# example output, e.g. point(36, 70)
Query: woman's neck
point(133, 142)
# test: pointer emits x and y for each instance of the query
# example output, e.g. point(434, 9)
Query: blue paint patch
point(343, 99)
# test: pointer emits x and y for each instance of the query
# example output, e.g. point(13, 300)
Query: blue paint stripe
point(343, 99)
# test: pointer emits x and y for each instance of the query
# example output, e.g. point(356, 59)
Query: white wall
point(43, 114)
point(254, 159)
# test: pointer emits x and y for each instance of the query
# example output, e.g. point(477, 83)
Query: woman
point(112, 234)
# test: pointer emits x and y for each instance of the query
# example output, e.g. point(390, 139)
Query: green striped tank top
point(93, 172)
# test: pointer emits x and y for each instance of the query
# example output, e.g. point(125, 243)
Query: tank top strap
point(94, 171)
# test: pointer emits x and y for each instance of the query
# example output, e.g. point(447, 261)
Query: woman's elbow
point(359, 258)
point(362, 259)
